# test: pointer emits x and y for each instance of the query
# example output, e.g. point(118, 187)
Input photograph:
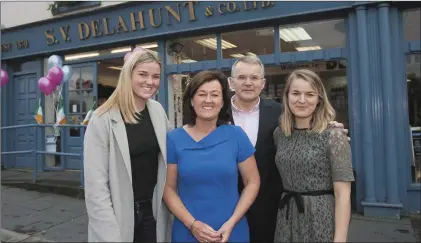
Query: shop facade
point(368, 55)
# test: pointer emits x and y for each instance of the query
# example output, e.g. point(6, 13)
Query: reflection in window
point(412, 24)
point(332, 73)
point(247, 42)
point(80, 96)
point(178, 82)
point(193, 49)
point(312, 36)
point(413, 81)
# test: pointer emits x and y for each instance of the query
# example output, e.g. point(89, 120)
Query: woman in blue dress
point(204, 158)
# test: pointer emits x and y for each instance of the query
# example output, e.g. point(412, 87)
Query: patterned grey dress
point(310, 162)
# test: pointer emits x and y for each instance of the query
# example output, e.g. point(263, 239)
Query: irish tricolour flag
point(61, 118)
point(38, 113)
point(89, 115)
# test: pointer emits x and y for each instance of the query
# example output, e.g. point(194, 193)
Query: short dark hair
point(198, 80)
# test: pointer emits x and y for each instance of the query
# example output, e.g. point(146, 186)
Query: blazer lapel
point(263, 123)
point(120, 135)
point(160, 128)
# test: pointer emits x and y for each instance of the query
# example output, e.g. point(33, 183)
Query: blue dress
point(208, 177)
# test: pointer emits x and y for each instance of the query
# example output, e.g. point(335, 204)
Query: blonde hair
point(123, 97)
point(322, 115)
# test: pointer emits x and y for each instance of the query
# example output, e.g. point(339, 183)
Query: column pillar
point(373, 72)
point(366, 109)
point(388, 104)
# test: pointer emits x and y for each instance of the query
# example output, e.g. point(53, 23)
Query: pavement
point(31, 216)
point(53, 209)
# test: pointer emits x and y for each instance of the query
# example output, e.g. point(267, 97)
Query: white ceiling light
point(148, 46)
point(211, 43)
point(250, 54)
point(115, 68)
point(124, 49)
point(238, 55)
point(308, 48)
point(80, 56)
point(294, 34)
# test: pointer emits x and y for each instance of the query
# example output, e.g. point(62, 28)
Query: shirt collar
point(235, 109)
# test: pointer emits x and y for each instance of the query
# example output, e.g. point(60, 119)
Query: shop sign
point(315, 66)
point(141, 19)
point(20, 44)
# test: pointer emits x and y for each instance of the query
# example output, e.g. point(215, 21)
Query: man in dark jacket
point(258, 117)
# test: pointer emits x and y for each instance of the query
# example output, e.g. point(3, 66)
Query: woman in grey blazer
point(125, 159)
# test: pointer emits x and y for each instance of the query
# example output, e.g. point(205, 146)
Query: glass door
point(81, 95)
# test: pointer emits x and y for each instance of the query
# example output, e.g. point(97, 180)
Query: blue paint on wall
point(35, 34)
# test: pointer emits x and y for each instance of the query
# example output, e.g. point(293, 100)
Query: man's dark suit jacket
point(262, 214)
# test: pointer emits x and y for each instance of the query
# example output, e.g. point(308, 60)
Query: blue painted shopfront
point(375, 54)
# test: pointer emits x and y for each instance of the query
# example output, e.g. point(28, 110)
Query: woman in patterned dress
point(315, 165)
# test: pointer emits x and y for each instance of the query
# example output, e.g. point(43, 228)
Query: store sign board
point(140, 20)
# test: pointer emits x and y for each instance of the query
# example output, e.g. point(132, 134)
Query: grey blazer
point(108, 178)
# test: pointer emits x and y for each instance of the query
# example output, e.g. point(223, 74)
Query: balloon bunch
point(4, 77)
point(57, 74)
point(137, 49)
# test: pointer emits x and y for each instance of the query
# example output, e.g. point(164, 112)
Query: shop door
point(81, 95)
point(25, 93)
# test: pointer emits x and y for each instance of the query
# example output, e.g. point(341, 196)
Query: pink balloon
point(50, 88)
point(55, 75)
point(127, 56)
point(46, 86)
point(4, 77)
point(43, 84)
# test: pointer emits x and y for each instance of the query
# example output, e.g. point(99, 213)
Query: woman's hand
point(204, 233)
point(226, 230)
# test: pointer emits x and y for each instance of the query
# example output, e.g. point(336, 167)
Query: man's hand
point(339, 125)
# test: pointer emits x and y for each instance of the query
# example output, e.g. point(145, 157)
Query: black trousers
point(145, 224)
point(261, 218)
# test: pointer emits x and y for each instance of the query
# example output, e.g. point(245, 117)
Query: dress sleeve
point(245, 147)
point(276, 135)
point(171, 152)
point(339, 154)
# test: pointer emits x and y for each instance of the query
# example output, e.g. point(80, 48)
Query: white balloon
point(67, 73)
point(54, 60)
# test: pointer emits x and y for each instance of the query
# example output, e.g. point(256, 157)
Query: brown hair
point(201, 78)
point(322, 115)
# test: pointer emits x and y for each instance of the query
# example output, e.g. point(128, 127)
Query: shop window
point(80, 96)
point(106, 52)
point(413, 81)
point(412, 24)
point(195, 49)
point(153, 46)
point(178, 83)
point(332, 73)
point(312, 36)
point(247, 42)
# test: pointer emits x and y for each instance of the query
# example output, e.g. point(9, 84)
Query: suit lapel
point(159, 125)
point(263, 123)
point(119, 131)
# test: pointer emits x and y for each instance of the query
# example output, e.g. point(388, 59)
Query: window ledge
point(414, 187)
point(80, 6)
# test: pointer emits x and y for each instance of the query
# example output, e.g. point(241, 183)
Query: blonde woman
point(125, 158)
point(315, 165)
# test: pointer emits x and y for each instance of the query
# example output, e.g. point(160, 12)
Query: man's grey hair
point(249, 60)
